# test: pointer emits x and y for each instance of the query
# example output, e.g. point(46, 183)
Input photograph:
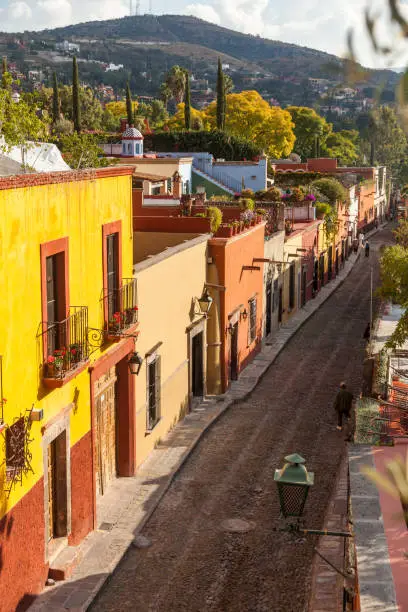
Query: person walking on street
point(367, 248)
point(361, 239)
point(343, 404)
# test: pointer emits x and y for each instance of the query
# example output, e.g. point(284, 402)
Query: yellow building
point(68, 322)
point(170, 270)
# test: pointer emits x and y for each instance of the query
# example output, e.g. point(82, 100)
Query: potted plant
point(131, 315)
point(59, 361)
point(115, 322)
point(288, 227)
point(50, 366)
point(75, 353)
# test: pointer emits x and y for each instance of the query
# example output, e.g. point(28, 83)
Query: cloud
point(19, 15)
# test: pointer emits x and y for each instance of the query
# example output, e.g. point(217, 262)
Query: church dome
point(131, 133)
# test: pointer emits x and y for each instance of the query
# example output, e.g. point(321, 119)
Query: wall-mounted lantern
point(205, 303)
point(244, 314)
point(135, 363)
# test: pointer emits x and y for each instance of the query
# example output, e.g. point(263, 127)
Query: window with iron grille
point(252, 320)
point(153, 391)
point(15, 447)
point(112, 248)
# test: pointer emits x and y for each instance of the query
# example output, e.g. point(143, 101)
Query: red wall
point(230, 255)
point(23, 571)
point(81, 490)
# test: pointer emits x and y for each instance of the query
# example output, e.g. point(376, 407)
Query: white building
point(132, 143)
point(67, 47)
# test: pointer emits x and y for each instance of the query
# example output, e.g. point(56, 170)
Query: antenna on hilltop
point(150, 6)
point(137, 10)
point(130, 8)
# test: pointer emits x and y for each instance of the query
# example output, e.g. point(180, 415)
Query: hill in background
point(149, 45)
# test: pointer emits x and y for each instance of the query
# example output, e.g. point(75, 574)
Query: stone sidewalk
point(130, 502)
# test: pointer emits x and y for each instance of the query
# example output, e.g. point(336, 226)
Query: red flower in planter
point(51, 359)
point(135, 308)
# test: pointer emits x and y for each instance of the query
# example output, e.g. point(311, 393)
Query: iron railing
point(122, 310)
point(206, 167)
point(66, 345)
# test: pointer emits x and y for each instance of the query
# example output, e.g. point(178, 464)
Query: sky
point(319, 24)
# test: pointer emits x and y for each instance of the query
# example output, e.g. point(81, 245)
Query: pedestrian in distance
point(367, 248)
point(361, 238)
point(343, 405)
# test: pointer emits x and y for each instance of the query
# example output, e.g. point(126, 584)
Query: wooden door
point(198, 373)
point(234, 353)
point(268, 327)
point(51, 490)
point(57, 487)
point(106, 425)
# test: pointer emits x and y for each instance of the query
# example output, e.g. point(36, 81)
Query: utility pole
point(151, 7)
point(137, 12)
point(130, 8)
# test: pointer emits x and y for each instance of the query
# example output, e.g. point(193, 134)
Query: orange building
point(235, 280)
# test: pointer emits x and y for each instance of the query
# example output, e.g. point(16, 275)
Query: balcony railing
point(65, 343)
point(122, 308)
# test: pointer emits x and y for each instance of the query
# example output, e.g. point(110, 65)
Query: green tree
point(165, 94)
point(82, 151)
point(187, 104)
point(342, 146)
point(401, 233)
point(394, 286)
point(129, 108)
point(6, 78)
point(390, 139)
point(331, 189)
point(19, 122)
point(56, 104)
point(175, 84)
point(221, 97)
point(76, 110)
point(311, 130)
point(91, 111)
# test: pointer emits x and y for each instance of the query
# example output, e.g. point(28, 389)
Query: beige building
point(273, 282)
point(173, 338)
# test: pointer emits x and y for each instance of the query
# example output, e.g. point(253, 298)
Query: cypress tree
point(55, 100)
point(187, 104)
point(4, 64)
point(129, 105)
point(221, 98)
point(76, 111)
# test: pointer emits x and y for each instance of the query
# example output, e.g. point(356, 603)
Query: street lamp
point(294, 482)
point(135, 363)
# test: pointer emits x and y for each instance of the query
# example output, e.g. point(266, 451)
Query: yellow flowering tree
point(249, 116)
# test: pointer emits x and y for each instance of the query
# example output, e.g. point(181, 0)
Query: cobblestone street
point(194, 563)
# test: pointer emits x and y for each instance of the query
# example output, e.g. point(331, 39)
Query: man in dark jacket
point(343, 404)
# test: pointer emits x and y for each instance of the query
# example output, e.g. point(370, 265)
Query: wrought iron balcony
point(121, 308)
point(65, 344)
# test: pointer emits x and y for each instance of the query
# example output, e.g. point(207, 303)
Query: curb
point(202, 433)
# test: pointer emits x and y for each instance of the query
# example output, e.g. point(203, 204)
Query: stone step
point(64, 564)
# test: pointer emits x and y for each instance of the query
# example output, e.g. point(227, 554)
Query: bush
point(246, 204)
point(332, 189)
point(271, 195)
point(322, 208)
point(221, 198)
point(262, 211)
point(247, 193)
point(219, 144)
point(215, 216)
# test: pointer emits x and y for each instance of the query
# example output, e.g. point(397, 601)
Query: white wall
point(254, 175)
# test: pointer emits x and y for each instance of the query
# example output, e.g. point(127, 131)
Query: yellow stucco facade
point(168, 284)
point(74, 207)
